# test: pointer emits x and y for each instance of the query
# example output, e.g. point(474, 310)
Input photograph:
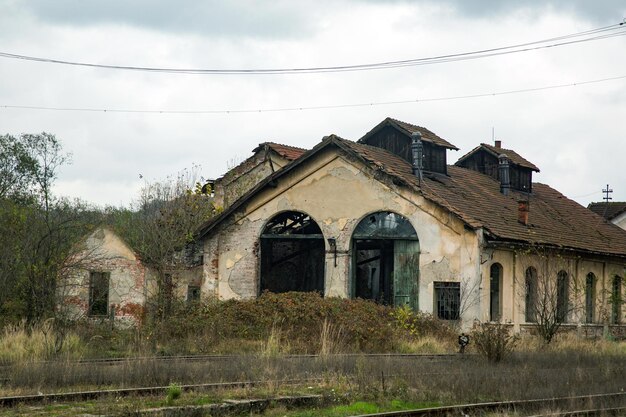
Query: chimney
point(417, 151)
point(503, 170)
point(498, 144)
point(523, 207)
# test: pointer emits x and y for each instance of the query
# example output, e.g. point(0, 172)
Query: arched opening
point(616, 300)
point(590, 298)
point(562, 296)
point(495, 293)
point(292, 254)
point(531, 295)
point(386, 260)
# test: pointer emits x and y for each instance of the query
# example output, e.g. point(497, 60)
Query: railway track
point(126, 392)
point(586, 402)
point(200, 358)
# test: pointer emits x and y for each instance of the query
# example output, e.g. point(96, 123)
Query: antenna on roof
point(607, 191)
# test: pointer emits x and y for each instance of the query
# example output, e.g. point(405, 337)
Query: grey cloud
point(602, 12)
point(275, 19)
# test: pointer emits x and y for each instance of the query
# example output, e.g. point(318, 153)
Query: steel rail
point(141, 391)
point(226, 357)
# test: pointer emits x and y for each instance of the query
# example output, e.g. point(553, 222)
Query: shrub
point(173, 393)
point(494, 341)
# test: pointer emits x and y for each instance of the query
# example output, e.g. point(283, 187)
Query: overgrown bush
point(303, 322)
point(494, 341)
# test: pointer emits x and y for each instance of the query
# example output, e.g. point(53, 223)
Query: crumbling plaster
point(514, 263)
point(337, 193)
point(104, 251)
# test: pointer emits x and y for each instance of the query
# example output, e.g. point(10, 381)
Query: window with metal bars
point(448, 300)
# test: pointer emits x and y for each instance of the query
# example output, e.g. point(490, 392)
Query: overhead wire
point(320, 107)
point(584, 36)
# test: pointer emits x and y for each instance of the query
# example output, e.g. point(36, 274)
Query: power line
point(585, 36)
point(323, 107)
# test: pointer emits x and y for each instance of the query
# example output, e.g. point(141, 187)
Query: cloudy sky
point(575, 134)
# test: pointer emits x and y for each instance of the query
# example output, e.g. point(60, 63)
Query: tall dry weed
point(275, 344)
point(21, 343)
point(331, 338)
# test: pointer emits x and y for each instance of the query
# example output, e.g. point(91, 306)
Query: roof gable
point(408, 129)
point(475, 198)
point(286, 151)
point(513, 156)
point(608, 210)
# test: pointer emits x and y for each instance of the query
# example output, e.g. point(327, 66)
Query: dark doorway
point(292, 254)
point(590, 298)
point(386, 260)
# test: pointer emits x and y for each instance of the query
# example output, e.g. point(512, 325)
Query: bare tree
point(161, 229)
point(551, 290)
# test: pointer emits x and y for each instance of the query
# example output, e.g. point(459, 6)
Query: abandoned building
point(106, 279)
point(612, 211)
point(386, 218)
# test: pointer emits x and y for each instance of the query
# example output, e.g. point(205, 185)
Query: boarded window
point(562, 297)
point(292, 254)
point(495, 296)
point(531, 295)
point(590, 298)
point(448, 300)
point(386, 260)
point(99, 293)
point(616, 300)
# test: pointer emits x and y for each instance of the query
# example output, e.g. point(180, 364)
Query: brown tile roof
point(286, 151)
point(475, 198)
point(513, 156)
point(608, 210)
point(409, 129)
point(554, 219)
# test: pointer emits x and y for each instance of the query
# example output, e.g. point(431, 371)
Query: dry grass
point(426, 345)
point(21, 343)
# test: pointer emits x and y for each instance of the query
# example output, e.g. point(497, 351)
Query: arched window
point(386, 260)
point(292, 254)
point(531, 295)
point(562, 296)
point(590, 298)
point(616, 300)
point(495, 293)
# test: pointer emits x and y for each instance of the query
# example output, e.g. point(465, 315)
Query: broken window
point(562, 296)
point(99, 293)
point(193, 293)
point(531, 295)
point(495, 283)
point(616, 300)
point(386, 260)
point(590, 297)
point(292, 254)
point(448, 300)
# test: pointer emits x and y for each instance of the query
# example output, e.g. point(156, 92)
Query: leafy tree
point(18, 167)
point(38, 229)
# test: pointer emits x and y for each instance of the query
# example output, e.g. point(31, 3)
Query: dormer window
point(484, 159)
point(395, 137)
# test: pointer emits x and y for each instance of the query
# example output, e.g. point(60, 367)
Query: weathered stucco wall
point(515, 262)
point(337, 194)
point(103, 251)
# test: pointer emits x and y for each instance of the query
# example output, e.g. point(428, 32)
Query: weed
point(494, 341)
point(174, 391)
